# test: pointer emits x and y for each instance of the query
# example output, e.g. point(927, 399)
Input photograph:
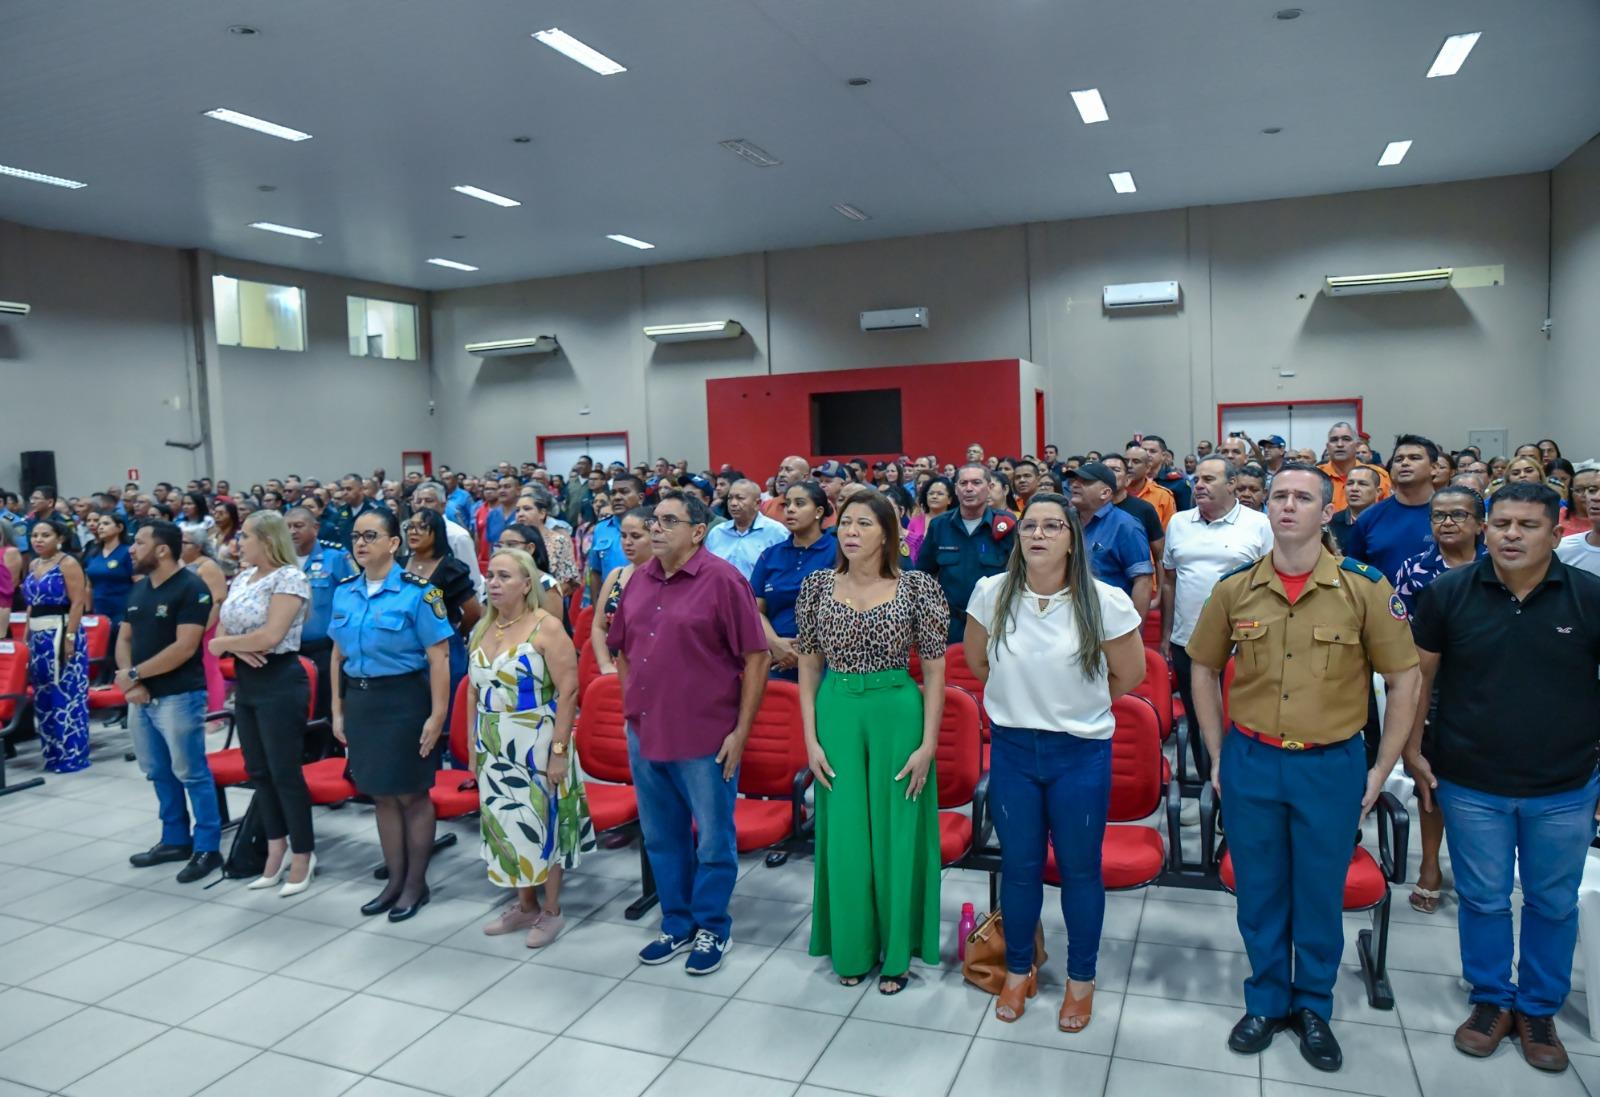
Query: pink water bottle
point(964, 928)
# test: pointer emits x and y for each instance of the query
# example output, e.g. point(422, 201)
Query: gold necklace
point(501, 626)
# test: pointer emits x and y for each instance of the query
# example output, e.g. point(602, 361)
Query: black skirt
point(383, 730)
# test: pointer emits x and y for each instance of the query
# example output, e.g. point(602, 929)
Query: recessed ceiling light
point(286, 230)
point(486, 196)
point(1122, 182)
point(1091, 108)
point(1393, 153)
point(585, 55)
point(452, 264)
point(630, 241)
point(1453, 54)
point(36, 177)
point(1287, 14)
point(844, 209)
point(260, 125)
point(755, 154)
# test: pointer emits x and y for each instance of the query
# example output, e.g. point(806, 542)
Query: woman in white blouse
point(260, 626)
point(1050, 761)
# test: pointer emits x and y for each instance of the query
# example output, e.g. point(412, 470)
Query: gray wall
point(1574, 363)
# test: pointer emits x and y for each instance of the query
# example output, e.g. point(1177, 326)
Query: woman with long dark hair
point(108, 565)
point(225, 535)
point(430, 558)
point(195, 514)
point(781, 569)
point(58, 656)
point(521, 536)
point(633, 535)
point(1050, 761)
point(870, 740)
point(936, 495)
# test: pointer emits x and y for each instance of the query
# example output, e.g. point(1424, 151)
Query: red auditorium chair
point(582, 625)
point(15, 704)
point(771, 811)
point(602, 739)
point(1366, 881)
point(1157, 689)
point(1150, 630)
point(455, 791)
point(958, 673)
point(97, 643)
point(227, 764)
point(588, 668)
point(914, 668)
point(19, 626)
point(962, 783)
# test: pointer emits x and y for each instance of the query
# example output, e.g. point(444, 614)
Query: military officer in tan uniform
point(1306, 630)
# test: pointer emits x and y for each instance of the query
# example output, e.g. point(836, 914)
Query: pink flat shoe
point(546, 928)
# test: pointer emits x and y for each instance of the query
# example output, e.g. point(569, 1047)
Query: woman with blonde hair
point(259, 625)
point(523, 687)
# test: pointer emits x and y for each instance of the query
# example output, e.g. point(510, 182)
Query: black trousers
point(1182, 666)
point(269, 710)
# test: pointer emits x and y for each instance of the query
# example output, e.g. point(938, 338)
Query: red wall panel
point(755, 422)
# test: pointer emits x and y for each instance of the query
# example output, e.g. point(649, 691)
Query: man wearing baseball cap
point(1119, 551)
point(1272, 449)
point(832, 476)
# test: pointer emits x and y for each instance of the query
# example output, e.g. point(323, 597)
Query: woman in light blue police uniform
point(391, 685)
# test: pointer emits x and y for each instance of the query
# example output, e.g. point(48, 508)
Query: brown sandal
point(1014, 998)
point(1076, 1013)
point(1424, 901)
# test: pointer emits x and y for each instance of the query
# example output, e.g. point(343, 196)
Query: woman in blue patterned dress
point(58, 655)
point(523, 672)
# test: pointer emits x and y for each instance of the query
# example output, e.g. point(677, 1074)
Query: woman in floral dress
point(523, 674)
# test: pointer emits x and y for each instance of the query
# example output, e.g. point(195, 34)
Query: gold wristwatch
point(558, 748)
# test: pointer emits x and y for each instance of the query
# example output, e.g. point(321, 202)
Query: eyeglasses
point(504, 544)
point(1052, 528)
point(1439, 517)
point(667, 522)
point(365, 536)
point(415, 527)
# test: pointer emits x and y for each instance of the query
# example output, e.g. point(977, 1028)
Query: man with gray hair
point(748, 533)
point(431, 494)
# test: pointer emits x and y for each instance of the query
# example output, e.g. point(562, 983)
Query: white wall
point(1574, 364)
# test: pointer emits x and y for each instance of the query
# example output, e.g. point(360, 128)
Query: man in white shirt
point(748, 533)
point(1582, 550)
point(1217, 536)
point(431, 494)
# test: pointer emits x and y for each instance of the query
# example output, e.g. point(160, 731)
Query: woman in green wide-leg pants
point(871, 735)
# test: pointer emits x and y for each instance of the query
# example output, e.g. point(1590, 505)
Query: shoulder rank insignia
point(1240, 568)
point(435, 598)
point(416, 580)
point(1366, 571)
point(350, 578)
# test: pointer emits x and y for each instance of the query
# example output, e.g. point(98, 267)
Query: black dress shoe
point(161, 854)
point(1253, 1033)
point(200, 866)
point(400, 914)
point(1317, 1045)
point(379, 905)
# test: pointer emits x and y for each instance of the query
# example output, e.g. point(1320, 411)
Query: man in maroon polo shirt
point(692, 658)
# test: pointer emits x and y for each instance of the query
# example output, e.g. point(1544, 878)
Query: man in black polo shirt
point(161, 672)
point(1514, 644)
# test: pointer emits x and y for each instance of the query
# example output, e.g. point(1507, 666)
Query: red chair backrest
point(227, 666)
point(13, 675)
point(914, 668)
point(602, 732)
point(588, 668)
point(582, 623)
point(97, 635)
point(19, 626)
point(575, 603)
point(1135, 760)
point(461, 718)
point(958, 673)
point(311, 680)
point(776, 749)
point(1150, 630)
point(957, 759)
point(1157, 689)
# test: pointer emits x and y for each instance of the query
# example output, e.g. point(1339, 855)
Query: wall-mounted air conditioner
point(1141, 295)
point(894, 319)
point(691, 333)
point(14, 308)
point(505, 348)
point(1354, 285)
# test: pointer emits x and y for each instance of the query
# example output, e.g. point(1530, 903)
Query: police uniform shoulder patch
point(1397, 608)
point(1366, 571)
point(350, 578)
point(417, 580)
point(435, 598)
point(1002, 525)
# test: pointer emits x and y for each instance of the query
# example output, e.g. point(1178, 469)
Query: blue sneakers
point(664, 948)
point(707, 953)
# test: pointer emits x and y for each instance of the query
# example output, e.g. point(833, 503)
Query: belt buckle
point(1293, 744)
point(855, 683)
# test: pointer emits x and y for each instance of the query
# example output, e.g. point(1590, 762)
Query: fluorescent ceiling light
point(286, 230)
point(260, 125)
point(757, 155)
point(486, 196)
point(630, 241)
point(1091, 108)
point(1453, 54)
point(1393, 153)
point(587, 56)
point(35, 177)
point(451, 263)
point(844, 209)
point(1122, 182)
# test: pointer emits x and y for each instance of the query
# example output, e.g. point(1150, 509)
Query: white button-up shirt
point(743, 549)
point(1201, 552)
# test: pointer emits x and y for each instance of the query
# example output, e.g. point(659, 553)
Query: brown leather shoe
point(1541, 1047)
point(1483, 1029)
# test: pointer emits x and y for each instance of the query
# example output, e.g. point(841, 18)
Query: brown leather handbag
point(985, 965)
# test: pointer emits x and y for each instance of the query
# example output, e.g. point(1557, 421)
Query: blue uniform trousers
point(1291, 819)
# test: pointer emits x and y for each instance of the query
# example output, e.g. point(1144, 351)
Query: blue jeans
point(169, 738)
point(676, 800)
point(1050, 786)
point(1547, 839)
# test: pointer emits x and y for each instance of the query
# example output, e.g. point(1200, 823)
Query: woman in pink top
point(933, 500)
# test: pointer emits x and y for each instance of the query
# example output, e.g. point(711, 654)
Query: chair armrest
point(320, 723)
point(797, 801)
point(1210, 808)
point(227, 716)
point(24, 701)
point(1394, 836)
point(982, 822)
point(1181, 734)
point(1174, 805)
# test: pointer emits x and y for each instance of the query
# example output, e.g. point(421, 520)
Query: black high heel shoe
point(400, 914)
point(379, 905)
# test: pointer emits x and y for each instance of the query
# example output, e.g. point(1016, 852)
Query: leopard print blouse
point(881, 638)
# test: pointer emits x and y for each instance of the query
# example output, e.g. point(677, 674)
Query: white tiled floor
point(117, 982)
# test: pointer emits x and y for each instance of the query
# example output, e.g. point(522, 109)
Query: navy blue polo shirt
point(779, 571)
point(958, 559)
